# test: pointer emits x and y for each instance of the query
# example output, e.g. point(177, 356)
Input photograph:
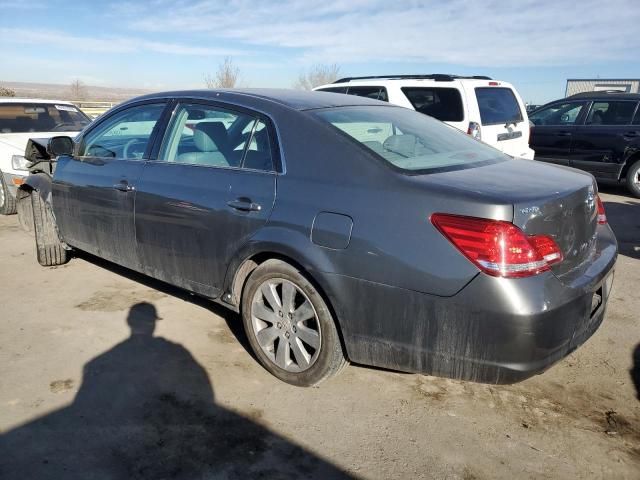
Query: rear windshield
point(498, 106)
point(409, 140)
point(445, 104)
point(41, 117)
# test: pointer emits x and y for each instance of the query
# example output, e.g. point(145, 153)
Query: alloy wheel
point(2, 199)
point(286, 325)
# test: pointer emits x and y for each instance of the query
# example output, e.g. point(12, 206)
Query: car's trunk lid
point(546, 200)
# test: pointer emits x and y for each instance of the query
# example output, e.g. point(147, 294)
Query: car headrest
point(210, 136)
point(401, 144)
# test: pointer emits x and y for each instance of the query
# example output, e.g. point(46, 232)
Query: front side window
point(498, 105)
point(409, 140)
point(558, 114)
point(212, 136)
point(611, 113)
point(445, 104)
point(41, 117)
point(124, 135)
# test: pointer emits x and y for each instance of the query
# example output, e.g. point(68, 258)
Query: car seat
point(211, 141)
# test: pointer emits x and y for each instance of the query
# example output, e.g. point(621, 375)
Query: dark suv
point(596, 131)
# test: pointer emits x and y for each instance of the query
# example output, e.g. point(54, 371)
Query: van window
point(41, 117)
point(377, 93)
point(334, 90)
point(498, 105)
point(445, 104)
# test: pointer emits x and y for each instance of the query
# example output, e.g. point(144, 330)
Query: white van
point(489, 110)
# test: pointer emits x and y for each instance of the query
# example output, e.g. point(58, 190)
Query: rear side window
point(611, 113)
point(334, 90)
point(41, 117)
point(445, 104)
point(409, 140)
point(212, 136)
point(498, 105)
point(377, 93)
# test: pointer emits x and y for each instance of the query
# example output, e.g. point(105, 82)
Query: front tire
point(633, 179)
point(289, 326)
point(50, 250)
point(7, 202)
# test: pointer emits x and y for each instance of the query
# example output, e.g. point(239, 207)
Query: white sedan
point(21, 119)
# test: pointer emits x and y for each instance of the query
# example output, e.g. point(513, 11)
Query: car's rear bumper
point(495, 330)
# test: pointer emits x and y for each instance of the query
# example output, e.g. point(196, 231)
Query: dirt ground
point(108, 374)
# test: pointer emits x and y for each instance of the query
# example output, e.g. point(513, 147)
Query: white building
point(580, 85)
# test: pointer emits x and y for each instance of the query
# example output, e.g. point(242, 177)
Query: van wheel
point(289, 326)
point(7, 202)
point(50, 250)
point(633, 179)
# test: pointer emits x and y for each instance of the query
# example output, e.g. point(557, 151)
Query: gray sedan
point(340, 228)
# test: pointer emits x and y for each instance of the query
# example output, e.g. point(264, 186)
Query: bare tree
point(77, 90)
point(227, 76)
point(317, 75)
point(7, 92)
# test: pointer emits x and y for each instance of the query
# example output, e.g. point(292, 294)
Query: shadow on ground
point(232, 319)
point(146, 409)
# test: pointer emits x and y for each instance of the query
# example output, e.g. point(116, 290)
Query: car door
point(552, 130)
point(94, 191)
point(211, 187)
point(599, 146)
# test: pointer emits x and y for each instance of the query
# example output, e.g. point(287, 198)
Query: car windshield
point(409, 140)
point(41, 117)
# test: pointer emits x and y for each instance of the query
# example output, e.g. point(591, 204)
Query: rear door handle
point(631, 134)
point(244, 204)
point(563, 134)
point(124, 186)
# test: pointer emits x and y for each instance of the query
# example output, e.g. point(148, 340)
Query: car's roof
point(417, 82)
point(603, 96)
point(294, 99)
point(33, 100)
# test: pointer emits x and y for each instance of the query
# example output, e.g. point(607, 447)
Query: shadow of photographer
point(145, 409)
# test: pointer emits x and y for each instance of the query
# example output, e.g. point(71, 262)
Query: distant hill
point(63, 92)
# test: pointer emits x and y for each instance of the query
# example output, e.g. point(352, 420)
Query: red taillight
point(498, 248)
point(474, 130)
point(602, 216)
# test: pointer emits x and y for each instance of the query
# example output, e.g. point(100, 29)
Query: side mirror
point(58, 146)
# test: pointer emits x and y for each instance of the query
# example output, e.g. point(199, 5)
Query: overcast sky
point(171, 44)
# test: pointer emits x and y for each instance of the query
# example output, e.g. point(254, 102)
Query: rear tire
point(300, 323)
point(7, 201)
point(49, 249)
point(633, 179)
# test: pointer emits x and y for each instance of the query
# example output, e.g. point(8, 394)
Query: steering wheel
point(128, 145)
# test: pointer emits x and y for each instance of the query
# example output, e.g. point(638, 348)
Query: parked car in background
point(339, 227)
point(594, 131)
point(488, 110)
point(20, 119)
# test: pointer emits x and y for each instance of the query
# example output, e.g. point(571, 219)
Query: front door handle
point(631, 134)
point(563, 134)
point(244, 204)
point(124, 186)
